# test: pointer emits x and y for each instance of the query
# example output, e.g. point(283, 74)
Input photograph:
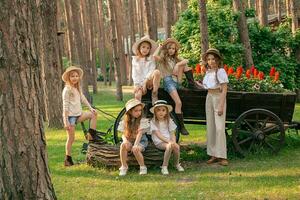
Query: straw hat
point(132, 103)
point(212, 51)
point(169, 40)
point(146, 38)
point(161, 103)
point(68, 70)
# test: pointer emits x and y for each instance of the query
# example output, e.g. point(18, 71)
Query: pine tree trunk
point(24, 172)
point(288, 7)
point(141, 15)
point(203, 26)
point(243, 31)
point(278, 10)
point(116, 59)
point(132, 23)
point(101, 41)
point(151, 25)
point(263, 12)
point(294, 16)
point(168, 17)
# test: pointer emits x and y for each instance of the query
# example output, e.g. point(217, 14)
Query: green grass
point(255, 177)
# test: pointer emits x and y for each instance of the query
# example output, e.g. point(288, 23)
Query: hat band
point(160, 103)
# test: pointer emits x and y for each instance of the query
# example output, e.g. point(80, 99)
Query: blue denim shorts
point(144, 142)
point(73, 119)
point(169, 84)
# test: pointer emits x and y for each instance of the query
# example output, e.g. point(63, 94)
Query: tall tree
point(294, 15)
point(132, 28)
point(151, 24)
point(116, 59)
point(168, 16)
point(263, 12)
point(203, 26)
point(24, 172)
point(278, 9)
point(288, 7)
point(238, 7)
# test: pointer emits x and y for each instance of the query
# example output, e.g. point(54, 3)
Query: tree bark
point(294, 15)
point(288, 7)
point(132, 29)
point(168, 17)
point(243, 31)
point(151, 25)
point(263, 12)
point(278, 10)
point(116, 59)
point(203, 26)
point(24, 172)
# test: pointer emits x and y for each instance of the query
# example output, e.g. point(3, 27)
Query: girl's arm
point(156, 53)
point(173, 137)
point(182, 62)
point(138, 138)
point(222, 99)
point(124, 138)
point(85, 101)
point(160, 136)
point(66, 103)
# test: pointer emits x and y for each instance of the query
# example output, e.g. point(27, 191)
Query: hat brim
point(170, 108)
point(214, 52)
point(137, 43)
point(68, 70)
point(171, 40)
point(134, 105)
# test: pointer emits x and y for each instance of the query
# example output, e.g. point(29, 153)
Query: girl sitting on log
point(134, 139)
point(162, 129)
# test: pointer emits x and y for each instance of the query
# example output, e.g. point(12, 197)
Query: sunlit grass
point(255, 177)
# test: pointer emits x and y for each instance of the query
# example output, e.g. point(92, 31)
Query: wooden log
point(100, 154)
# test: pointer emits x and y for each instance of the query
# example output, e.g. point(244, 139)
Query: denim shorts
point(73, 119)
point(144, 142)
point(169, 84)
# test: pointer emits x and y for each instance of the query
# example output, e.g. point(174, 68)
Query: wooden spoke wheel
point(258, 130)
point(118, 134)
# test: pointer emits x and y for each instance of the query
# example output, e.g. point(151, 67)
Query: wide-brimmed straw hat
point(212, 51)
point(169, 40)
point(65, 76)
point(132, 103)
point(146, 38)
point(161, 103)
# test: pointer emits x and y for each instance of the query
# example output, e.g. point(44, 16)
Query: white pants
point(215, 127)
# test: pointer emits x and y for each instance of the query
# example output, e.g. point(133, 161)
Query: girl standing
point(215, 80)
point(162, 129)
point(144, 74)
point(72, 110)
point(171, 68)
point(134, 139)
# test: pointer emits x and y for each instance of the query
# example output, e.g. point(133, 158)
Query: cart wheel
point(118, 135)
point(258, 129)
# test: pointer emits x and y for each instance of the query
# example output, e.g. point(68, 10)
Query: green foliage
point(270, 47)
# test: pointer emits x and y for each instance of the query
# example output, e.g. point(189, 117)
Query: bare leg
point(138, 94)
point(176, 151)
point(168, 151)
point(137, 151)
point(124, 148)
point(176, 98)
point(70, 140)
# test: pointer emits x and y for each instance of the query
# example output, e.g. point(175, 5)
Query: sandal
point(223, 162)
point(212, 160)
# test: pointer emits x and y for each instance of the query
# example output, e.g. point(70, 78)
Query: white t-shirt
point(144, 125)
point(142, 69)
point(164, 128)
point(210, 81)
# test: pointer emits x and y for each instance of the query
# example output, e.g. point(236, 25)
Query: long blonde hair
point(131, 124)
point(165, 54)
point(77, 85)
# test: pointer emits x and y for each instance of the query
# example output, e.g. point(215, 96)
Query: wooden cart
point(256, 120)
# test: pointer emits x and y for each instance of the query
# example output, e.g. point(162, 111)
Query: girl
point(215, 80)
point(144, 74)
point(162, 129)
point(171, 68)
point(72, 111)
point(134, 139)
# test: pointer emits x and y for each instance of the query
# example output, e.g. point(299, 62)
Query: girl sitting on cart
point(144, 74)
point(215, 81)
point(134, 139)
point(162, 130)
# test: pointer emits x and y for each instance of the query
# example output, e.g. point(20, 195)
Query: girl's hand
point(220, 111)
point(137, 88)
point(93, 111)
point(67, 126)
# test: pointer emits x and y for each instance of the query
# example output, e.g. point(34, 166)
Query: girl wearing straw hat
point(72, 110)
point(144, 74)
point(162, 129)
point(134, 139)
point(215, 81)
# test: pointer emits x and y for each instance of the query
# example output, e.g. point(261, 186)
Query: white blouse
point(210, 81)
point(164, 128)
point(142, 69)
point(144, 125)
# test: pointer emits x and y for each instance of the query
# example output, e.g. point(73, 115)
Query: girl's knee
point(175, 146)
point(169, 146)
point(178, 103)
point(136, 149)
point(156, 73)
point(126, 146)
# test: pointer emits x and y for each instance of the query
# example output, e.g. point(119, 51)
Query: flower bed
point(251, 80)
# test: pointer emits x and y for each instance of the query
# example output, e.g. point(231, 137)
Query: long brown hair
point(219, 62)
point(167, 117)
point(138, 52)
point(165, 54)
point(131, 124)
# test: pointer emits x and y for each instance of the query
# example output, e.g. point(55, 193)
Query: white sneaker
point(179, 168)
point(164, 170)
point(123, 171)
point(143, 170)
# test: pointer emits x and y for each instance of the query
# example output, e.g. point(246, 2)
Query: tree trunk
point(243, 31)
point(116, 59)
point(140, 15)
point(168, 17)
point(101, 42)
point(288, 7)
point(52, 65)
point(278, 10)
point(132, 29)
point(151, 19)
point(203, 26)
point(263, 12)
point(294, 15)
point(24, 172)
point(78, 34)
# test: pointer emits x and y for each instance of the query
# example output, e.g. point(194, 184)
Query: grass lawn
point(258, 176)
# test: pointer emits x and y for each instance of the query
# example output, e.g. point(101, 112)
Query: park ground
point(258, 176)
